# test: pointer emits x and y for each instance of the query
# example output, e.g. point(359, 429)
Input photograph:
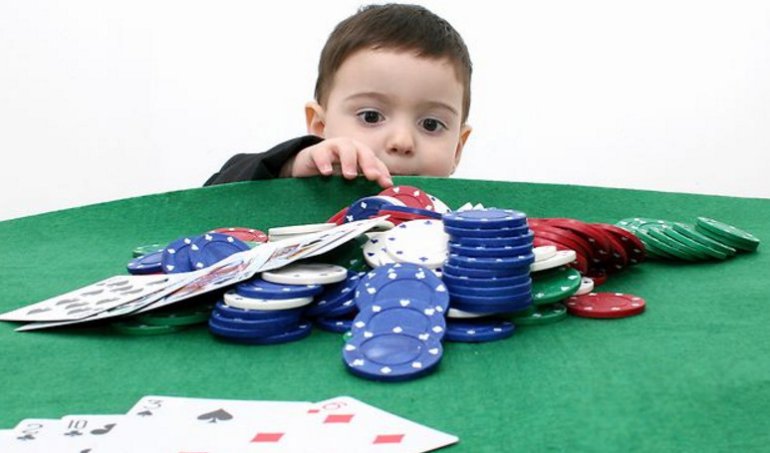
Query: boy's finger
point(374, 169)
point(348, 156)
point(322, 160)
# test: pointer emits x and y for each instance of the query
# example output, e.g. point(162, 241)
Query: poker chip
point(242, 233)
point(633, 246)
point(211, 248)
point(258, 288)
point(478, 331)
point(412, 316)
point(290, 315)
point(233, 299)
point(561, 258)
point(491, 282)
point(297, 333)
point(176, 256)
point(307, 274)
point(339, 217)
point(409, 213)
point(454, 313)
point(368, 207)
point(146, 264)
point(544, 252)
point(147, 249)
point(402, 281)
point(391, 356)
point(334, 325)
point(374, 251)
point(421, 242)
point(297, 230)
point(496, 233)
point(438, 206)
point(488, 291)
point(555, 285)
point(515, 262)
point(490, 252)
point(410, 196)
point(511, 241)
point(248, 328)
point(586, 286)
point(461, 271)
point(690, 231)
point(335, 296)
point(541, 314)
point(507, 302)
point(605, 305)
point(138, 328)
point(593, 235)
point(486, 219)
point(728, 234)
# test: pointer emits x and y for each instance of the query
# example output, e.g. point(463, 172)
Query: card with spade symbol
point(92, 299)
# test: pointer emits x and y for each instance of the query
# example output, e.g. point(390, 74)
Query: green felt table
point(690, 374)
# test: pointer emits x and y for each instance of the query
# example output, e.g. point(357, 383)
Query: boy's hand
point(349, 156)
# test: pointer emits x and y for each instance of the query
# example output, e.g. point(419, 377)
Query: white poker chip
point(438, 205)
point(233, 299)
point(421, 242)
point(561, 258)
point(544, 252)
point(307, 274)
point(296, 230)
point(460, 314)
point(374, 251)
point(383, 225)
point(586, 286)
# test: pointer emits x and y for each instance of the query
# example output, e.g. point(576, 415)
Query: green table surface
point(690, 374)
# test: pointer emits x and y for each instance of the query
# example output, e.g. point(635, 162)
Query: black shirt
point(266, 165)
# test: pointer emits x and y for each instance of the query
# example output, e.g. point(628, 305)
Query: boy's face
point(407, 109)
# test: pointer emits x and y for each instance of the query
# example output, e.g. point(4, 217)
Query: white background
point(102, 100)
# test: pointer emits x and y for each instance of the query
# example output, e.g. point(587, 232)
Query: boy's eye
point(432, 125)
point(370, 116)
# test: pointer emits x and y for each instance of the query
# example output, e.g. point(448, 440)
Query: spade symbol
point(38, 310)
point(104, 430)
point(144, 413)
point(73, 433)
point(26, 437)
point(217, 415)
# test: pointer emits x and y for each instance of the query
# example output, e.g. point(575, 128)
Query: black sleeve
point(266, 165)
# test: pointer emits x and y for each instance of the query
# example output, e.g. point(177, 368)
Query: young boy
point(392, 98)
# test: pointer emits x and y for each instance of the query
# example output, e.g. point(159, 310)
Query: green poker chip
point(543, 314)
point(661, 234)
point(555, 285)
point(728, 234)
point(662, 249)
point(692, 233)
point(706, 250)
point(135, 327)
point(147, 249)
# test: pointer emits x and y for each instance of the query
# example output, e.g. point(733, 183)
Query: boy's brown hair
point(394, 27)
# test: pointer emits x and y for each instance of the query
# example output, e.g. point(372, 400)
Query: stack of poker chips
point(397, 332)
point(490, 253)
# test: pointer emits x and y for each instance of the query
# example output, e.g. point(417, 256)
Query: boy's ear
point(315, 118)
point(465, 131)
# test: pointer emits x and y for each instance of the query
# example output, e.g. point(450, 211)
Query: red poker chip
point(571, 240)
point(598, 275)
point(338, 218)
point(618, 256)
point(605, 305)
point(634, 247)
point(581, 263)
point(398, 217)
point(595, 236)
point(243, 233)
point(411, 196)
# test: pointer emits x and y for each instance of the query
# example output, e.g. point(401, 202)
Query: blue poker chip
point(367, 207)
point(489, 252)
point(346, 308)
point(211, 248)
point(521, 297)
point(512, 241)
point(472, 272)
point(238, 327)
point(257, 288)
point(297, 333)
point(415, 211)
point(455, 281)
point(457, 233)
point(486, 218)
point(412, 316)
point(176, 256)
point(335, 296)
point(391, 356)
point(334, 325)
point(146, 264)
point(402, 281)
point(513, 262)
point(491, 305)
point(239, 313)
point(478, 331)
point(488, 291)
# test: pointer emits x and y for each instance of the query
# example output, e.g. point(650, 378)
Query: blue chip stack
point(259, 312)
point(490, 251)
point(397, 333)
point(334, 309)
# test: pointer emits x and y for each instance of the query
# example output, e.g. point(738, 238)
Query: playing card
point(173, 424)
point(90, 300)
point(30, 435)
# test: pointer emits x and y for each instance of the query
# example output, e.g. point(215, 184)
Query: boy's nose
point(400, 141)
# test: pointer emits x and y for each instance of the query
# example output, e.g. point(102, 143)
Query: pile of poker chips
point(707, 239)
point(401, 203)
